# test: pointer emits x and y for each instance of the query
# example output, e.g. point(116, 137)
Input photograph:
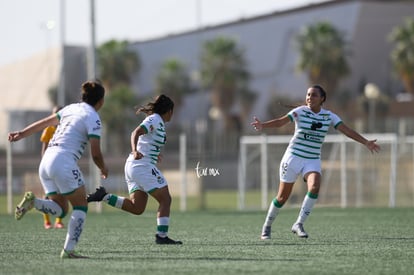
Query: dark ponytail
point(92, 92)
point(161, 105)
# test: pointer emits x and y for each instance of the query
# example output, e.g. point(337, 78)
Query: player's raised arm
point(370, 144)
point(274, 123)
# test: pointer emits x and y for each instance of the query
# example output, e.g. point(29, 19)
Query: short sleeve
point(94, 126)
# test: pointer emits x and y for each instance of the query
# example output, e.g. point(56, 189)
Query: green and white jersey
point(77, 123)
point(310, 131)
point(151, 143)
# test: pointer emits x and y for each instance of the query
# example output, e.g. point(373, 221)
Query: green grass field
point(342, 241)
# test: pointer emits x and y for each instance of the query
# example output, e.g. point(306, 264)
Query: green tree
point(118, 116)
point(402, 55)
point(173, 80)
point(225, 76)
point(116, 63)
point(323, 53)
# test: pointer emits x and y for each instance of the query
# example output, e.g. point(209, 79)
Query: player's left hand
point(372, 146)
point(137, 155)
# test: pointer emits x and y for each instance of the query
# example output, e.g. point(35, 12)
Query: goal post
point(261, 142)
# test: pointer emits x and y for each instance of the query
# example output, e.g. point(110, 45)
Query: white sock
point(274, 208)
point(307, 205)
point(162, 226)
point(48, 207)
point(75, 228)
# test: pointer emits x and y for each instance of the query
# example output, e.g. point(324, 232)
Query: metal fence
point(352, 177)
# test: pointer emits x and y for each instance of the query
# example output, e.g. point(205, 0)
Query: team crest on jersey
point(325, 116)
point(151, 128)
point(295, 114)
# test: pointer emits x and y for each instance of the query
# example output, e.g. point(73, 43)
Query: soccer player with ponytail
point(61, 178)
point(141, 173)
point(302, 156)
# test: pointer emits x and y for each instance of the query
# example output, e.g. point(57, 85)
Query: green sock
point(114, 200)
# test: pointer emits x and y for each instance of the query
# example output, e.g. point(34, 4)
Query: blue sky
point(28, 27)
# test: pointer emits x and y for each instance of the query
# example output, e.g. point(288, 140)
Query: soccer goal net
point(351, 175)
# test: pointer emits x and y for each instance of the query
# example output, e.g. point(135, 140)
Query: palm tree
point(116, 63)
point(402, 55)
point(224, 74)
point(323, 55)
point(119, 117)
point(173, 79)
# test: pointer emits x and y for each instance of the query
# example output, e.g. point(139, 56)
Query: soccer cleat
point(25, 205)
point(99, 194)
point(165, 240)
point(266, 232)
point(59, 225)
point(297, 229)
point(71, 255)
point(47, 225)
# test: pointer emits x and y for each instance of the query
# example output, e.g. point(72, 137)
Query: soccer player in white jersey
point(141, 173)
point(302, 156)
point(61, 178)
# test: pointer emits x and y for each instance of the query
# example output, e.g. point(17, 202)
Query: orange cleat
point(59, 225)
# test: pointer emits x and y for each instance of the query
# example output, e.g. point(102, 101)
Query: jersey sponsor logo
point(312, 137)
point(316, 125)
point(52, 144)
point(98, 125)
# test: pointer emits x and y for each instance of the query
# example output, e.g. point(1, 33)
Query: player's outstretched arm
point(274, 123)
point(370, 144)
point(33, 128)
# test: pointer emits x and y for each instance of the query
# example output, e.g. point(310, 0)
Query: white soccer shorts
point(143, 176)
point(59, 172)
point(292, 166)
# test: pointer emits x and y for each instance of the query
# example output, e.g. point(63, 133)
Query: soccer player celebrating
point(61, 178)
point(302, 156)
point(141, 173)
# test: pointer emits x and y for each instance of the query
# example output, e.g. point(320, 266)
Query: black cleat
point(165, 240)
point(99, 194)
